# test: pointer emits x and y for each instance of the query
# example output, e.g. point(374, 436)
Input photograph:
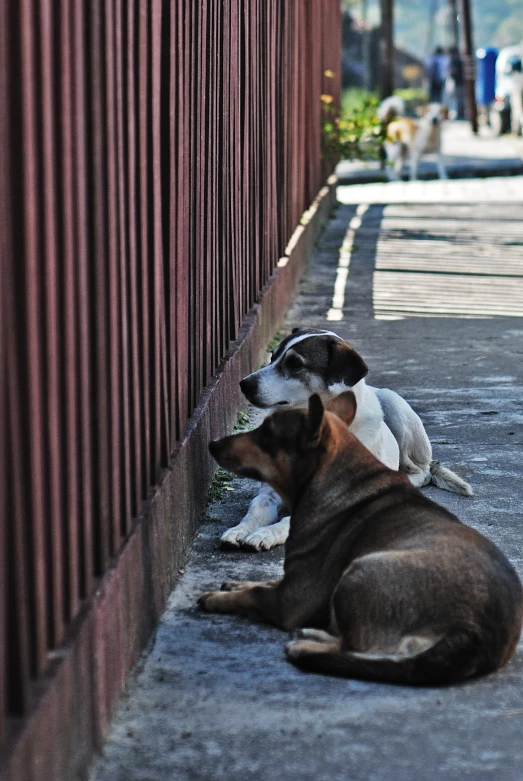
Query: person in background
point(454, 85)
point(437, 66)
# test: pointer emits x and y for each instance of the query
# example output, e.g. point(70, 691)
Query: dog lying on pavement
point(408, 138)
point(409, 593)
point(315, 361)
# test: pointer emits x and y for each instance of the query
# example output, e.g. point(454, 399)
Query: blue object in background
point(486, 75)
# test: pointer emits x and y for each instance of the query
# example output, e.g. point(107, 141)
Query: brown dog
point(411, 595)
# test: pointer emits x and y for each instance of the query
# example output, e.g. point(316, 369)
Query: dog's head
point(289, 445)
point(307, 361)
point(433, 113)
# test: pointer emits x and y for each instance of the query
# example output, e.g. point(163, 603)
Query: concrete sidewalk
point(434, 302)
point(466, 155)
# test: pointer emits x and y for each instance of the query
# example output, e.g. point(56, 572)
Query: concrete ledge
point(74, 703)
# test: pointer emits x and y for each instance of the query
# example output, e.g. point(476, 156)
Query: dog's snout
point(248, 386)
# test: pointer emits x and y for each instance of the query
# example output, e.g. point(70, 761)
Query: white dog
point(314, 361)
point(408, 139)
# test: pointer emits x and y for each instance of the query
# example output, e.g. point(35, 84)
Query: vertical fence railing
point(155, 156)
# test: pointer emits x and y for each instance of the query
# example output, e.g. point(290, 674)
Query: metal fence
point(155, 156)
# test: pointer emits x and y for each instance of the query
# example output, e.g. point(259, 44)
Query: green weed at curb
point(242, 422)
point(220, 485)
point(276, 339)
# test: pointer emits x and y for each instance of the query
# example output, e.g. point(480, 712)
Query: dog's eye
point(293, 362)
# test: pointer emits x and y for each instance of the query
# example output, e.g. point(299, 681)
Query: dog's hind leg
point(305, 647)
point(393, 630)
point(263, 511)
point(414, 446)
point(415, 450)
point(437, 475)
point(398, 166)
point(318, 635)
point(419, 660)
point(394, 161)
point(314, 641)
point(419, 475)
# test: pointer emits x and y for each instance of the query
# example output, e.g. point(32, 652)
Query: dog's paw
point(303, 647)
point(233, 585)
point(234, 537)
point(207, 601)
point(296, 648)
point(263, 539)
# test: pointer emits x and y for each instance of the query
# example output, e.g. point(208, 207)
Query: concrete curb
point(88, 673)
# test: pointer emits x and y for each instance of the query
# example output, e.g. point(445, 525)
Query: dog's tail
point(448, 480)
point(390, 108)
point(456, 656)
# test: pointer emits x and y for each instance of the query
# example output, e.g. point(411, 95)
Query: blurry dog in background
point(408, 139)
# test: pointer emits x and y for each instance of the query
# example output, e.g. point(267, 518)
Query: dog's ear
point(444, 112)
point(422, 110)
point(346, 366)
point(314, 418)
point(344, 406)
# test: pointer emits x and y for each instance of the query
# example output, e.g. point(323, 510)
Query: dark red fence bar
point(155, 158)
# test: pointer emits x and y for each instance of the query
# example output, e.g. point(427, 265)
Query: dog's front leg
point(263, 511)
point(258, 601)
point(242, 585)
point(275, 602)
point(394, 161)
point(414, 160)
point(442, 171)
point(398, 167)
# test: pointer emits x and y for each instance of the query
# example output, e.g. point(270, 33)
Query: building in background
point(361, 62)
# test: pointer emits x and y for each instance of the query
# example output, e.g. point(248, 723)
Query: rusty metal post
point(387, 48)
point(365, 44)
point(469, 62)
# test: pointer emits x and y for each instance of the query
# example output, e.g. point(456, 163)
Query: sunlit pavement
point(485, 190)
point(429, 289)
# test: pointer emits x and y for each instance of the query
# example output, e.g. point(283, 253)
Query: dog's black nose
point(435, 120)
point(248, 386)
